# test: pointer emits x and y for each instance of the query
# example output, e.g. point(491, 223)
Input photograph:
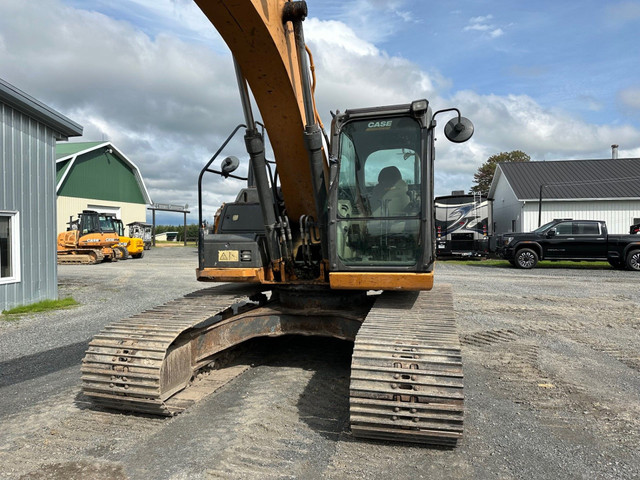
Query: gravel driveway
point(552, 387)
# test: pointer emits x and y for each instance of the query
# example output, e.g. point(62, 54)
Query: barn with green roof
point(98, 176)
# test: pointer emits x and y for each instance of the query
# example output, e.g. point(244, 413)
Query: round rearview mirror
point(230, 164)
point(458, 131)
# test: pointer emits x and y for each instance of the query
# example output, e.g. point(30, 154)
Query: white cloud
point(517, 122)
point(354, 73)
point(169, 102)
point(483, 24)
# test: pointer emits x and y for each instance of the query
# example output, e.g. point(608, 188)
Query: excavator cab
point(380, 195)
point(90, 238)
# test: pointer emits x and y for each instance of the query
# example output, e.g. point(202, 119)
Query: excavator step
point(406, 370)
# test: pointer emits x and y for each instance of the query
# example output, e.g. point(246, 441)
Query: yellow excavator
point(334, 238)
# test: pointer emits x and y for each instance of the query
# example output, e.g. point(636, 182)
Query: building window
point(9, 247)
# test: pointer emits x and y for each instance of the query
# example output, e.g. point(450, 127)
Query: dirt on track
point(552, 387)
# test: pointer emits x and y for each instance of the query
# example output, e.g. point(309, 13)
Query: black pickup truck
point(568, 239)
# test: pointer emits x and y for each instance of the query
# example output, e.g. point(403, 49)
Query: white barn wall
point(618, 214)
point(71, 206)
point(506, 207)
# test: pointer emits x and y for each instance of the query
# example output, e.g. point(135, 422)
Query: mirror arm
point(448, 110)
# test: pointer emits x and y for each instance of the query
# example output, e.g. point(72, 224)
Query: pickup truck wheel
point(633, 260)
point(526, 258)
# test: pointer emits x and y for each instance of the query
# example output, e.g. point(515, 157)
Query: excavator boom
point(264, 48)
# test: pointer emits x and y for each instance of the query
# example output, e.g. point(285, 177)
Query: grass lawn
point(42, 306)
point(541, 264)
point(176, 244)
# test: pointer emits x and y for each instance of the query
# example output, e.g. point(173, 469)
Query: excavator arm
point(263, 46)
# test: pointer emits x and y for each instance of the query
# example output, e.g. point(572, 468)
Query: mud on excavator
point(336, 239)
point(89, 239)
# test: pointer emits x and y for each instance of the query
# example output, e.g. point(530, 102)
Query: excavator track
point(135, 364)
point(406, 371)
point(80, 257)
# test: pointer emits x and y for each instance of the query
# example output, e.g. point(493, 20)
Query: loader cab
point(382, 190)
point(118, 226)
point(93, 222)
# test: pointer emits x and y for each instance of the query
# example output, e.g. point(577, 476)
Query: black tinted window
point(590, 228)
point(564, 228)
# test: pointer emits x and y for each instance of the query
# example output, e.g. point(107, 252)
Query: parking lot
point(552, 387)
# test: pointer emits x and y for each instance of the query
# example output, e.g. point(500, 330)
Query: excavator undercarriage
point(406, 372)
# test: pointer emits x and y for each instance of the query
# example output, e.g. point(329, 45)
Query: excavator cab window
point(90, 223)
point(118, 226)
point(379, 192)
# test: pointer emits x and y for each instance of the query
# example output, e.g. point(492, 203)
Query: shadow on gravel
point(39, 364)
point(324, 403)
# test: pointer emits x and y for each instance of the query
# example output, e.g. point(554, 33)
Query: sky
point(557, 80)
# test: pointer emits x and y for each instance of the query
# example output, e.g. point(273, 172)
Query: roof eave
point(16, 98)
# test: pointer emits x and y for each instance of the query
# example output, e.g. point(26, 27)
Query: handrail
point(207, 169)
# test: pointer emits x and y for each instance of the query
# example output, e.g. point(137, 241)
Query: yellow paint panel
point(381, 281)
point(249, 275)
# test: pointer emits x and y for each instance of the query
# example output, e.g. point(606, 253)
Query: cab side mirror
point(551, 233)
point(229, 165)
point(458, 130)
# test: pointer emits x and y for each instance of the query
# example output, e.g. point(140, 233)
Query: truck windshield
point(544, 227)
point(379, 192)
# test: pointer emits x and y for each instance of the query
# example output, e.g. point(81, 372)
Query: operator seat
point(390, 196)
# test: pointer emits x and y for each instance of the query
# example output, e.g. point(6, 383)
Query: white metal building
point(28, 134)
point(606, 190)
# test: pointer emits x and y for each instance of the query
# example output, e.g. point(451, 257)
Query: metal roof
point(572, 179)
point(16, 98)
point(68, 153)
point(67, 149)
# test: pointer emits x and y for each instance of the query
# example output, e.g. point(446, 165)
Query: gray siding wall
point(27, 185)
point(506, 208)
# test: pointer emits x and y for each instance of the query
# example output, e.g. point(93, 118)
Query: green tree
point(484, 176)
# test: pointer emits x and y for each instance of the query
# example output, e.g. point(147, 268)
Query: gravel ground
point(552, 387)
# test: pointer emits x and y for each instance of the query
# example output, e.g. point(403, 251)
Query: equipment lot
point(552, 387)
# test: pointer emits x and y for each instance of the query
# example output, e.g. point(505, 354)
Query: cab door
point(590, 240)
point(559, 244)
